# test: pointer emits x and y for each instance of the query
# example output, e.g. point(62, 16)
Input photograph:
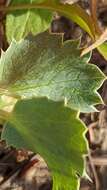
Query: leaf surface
point(35, 17)
point(103, 49)
point(19, 23)
point(52, 130)
point(44, 66)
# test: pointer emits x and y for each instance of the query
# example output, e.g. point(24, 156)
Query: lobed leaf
point(54, 131)
point(44, 66)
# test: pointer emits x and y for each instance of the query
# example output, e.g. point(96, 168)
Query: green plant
point(50, 84)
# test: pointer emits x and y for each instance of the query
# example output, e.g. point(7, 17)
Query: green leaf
point(21, 22)
point(35, 17)
point(43, 66)
point(54, 131)
point(103, 50)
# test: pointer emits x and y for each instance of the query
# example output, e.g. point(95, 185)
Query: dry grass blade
point(93, 10)
point(98, 42)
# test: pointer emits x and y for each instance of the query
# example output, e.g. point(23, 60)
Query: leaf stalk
point(73, 12)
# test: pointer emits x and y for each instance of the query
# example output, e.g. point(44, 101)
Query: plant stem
point(93, 9)
point(73, 12)
point(23, 7)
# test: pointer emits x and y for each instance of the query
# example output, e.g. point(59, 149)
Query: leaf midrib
point(50, 83)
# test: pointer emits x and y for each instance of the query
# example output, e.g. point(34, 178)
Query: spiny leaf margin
point(46, 66)
point(55, 132)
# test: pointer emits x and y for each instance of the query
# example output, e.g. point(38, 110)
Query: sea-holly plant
point(45, 84)
point(51, 84)
point(46, 66)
